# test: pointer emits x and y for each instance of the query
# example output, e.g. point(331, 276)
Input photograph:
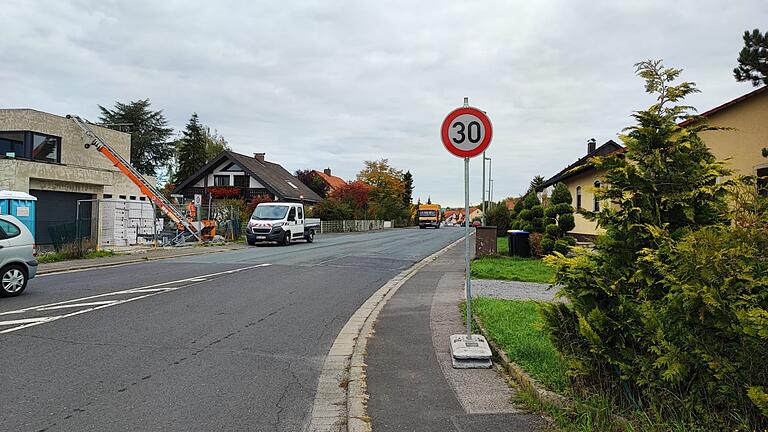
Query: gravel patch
point(513, 290)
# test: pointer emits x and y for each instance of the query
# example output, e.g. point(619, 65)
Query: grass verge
point(52, 257)
point(515, 327)
point(511, 268)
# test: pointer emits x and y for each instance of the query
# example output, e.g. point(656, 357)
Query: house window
point(12, 142)
point(30, 145)
point(292, 185)
point(241, 181)
point(597, 201)
point(762, 181)
point(45, 147)
point(578, 197)
point(221, 180)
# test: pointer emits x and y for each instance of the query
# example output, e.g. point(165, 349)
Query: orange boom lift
point(186, 228)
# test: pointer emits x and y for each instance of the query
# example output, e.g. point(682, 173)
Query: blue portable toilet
point(21, 205)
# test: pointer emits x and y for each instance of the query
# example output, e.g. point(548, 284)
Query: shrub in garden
point(531, 217)
point(498, 215)
point(534, 241)
point(333, 210)
point(671, 309)
point(559, 218)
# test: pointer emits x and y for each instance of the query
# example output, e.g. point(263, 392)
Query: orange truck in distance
point(429, 215)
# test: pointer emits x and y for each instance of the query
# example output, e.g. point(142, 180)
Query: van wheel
point(310, 237)
point(13, 280)
point(287, 238)
point(252, 242)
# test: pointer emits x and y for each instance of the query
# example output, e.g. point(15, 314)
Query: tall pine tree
point(149, 131)
point(408, 185)
point(191, 149)
point(753, 59)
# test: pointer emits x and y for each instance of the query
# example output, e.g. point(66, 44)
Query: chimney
point(259, 156)
point(591, 145)
point(327, 171)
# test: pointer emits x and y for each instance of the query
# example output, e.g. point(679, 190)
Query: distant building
point(44, 155)
point(234, 175)
point(332, 181)
point(457, 216)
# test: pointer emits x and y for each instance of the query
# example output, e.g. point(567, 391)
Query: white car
point(18, 256)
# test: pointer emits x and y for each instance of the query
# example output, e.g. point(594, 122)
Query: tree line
point(379, 191)
point(154, 151)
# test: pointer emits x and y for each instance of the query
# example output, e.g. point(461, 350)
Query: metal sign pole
point(466, 132)
point(466, 249)
point(483, 189)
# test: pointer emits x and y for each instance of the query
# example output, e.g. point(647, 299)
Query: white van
point(282, 223)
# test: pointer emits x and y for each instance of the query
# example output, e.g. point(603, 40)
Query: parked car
point(18, 256)
point(280, 222)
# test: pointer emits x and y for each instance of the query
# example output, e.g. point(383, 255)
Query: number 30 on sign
point(466, 132)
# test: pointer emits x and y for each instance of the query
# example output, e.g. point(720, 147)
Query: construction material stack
point(128, 222)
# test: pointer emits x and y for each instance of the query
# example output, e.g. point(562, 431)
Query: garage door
point(56, 216)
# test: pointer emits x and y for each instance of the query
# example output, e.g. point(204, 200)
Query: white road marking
point(25, 321)
point(72, 305)
point(147, 291)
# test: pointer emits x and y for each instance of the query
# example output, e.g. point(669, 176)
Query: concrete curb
point(42, 272)
point(521, 377)
point(340, 401)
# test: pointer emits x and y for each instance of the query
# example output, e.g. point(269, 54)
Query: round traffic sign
point(466, 132)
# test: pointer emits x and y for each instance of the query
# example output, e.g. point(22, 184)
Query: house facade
point(582, 180)
point(234, 175)
point(739, 146)
point(44, 155)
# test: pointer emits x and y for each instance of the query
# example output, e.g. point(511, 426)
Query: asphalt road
point(227, 341)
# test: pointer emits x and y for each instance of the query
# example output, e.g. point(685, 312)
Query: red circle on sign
point(483, 143)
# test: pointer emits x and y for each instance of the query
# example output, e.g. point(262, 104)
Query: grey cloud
point(318, 84)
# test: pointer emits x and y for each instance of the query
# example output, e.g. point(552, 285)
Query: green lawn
point(515, 327)
point(511, 268)
point(502, 245)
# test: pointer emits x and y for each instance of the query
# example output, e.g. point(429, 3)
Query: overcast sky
point(330, 84)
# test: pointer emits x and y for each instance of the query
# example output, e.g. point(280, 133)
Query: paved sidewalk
point(135, 257)
point(411, 382)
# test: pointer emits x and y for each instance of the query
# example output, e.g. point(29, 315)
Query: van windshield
point(269, 212)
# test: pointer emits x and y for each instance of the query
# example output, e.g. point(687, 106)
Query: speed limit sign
point(466, 132)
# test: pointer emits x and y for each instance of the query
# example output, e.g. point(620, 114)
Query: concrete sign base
point(472, 353)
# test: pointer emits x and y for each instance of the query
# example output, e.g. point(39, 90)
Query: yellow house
point(582, 179)
point(740, 148)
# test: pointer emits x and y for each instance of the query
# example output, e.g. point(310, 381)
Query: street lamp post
point(490, 180)
point(483, 185)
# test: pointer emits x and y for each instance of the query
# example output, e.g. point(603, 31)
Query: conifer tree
point(192, 149)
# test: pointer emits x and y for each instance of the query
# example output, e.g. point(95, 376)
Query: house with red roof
point(332, 181)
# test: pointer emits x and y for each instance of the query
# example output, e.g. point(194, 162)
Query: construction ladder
point(135, 176)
